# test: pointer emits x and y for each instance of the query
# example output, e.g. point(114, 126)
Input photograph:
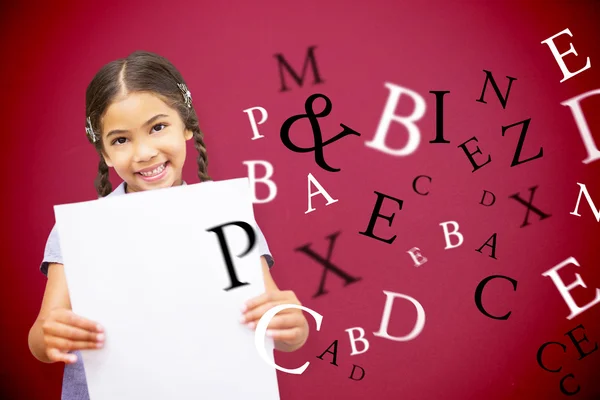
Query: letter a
point(330, 200)
point(334, 352)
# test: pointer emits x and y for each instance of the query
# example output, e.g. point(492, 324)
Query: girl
point(139, 117)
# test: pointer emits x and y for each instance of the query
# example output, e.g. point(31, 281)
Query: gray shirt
point(74, 385)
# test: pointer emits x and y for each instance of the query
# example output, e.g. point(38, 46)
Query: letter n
point(583, 190)
point(490, 77)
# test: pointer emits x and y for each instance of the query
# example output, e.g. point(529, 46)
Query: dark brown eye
point(158, 127)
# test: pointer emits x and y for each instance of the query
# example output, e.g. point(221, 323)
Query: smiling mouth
point(155, 172)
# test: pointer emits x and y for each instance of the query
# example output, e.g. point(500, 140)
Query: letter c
point(415, 184)
point(261, 330)
point(479, 292)
point(541, 351)
point(562, 387)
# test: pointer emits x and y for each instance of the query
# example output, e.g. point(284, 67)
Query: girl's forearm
point(37, 346)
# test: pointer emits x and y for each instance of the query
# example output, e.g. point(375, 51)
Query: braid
point(102, 183)
point(202, 156)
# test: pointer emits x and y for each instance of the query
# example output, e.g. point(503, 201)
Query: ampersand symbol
point(314, 123)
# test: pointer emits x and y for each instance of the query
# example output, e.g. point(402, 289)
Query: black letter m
point(310, 57)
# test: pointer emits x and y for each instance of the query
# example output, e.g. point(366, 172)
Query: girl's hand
point(65, 331)
point(288, 327)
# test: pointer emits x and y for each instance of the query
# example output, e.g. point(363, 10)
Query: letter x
point(529, 206)
point(327, 265)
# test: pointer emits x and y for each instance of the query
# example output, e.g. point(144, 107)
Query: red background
point(226, 53)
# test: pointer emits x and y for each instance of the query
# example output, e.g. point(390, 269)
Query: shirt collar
point(121, 189)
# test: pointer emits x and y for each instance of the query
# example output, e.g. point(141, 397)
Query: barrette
point(90, 131)
point(187, 96)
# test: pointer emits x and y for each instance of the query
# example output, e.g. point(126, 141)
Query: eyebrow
point(150, 121)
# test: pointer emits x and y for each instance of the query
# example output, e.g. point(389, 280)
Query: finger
point(67, 345)
point(58, 356)
point(283, 321)
point(256, 313)
point(71, 332)
point(68, 317)
point(259, 300)
point(275, 295)
point(292, 335)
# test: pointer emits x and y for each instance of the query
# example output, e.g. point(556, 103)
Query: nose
point(144, 150)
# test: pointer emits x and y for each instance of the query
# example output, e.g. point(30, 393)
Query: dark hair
point(141, 71)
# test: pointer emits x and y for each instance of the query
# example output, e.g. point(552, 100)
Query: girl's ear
point(188, 134)
point(109, 164)
point(107, 161)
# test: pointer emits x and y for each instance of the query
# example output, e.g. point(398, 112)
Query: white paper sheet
point(144, 266)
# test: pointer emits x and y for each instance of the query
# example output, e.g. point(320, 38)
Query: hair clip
point(90, 131)
point(187, 96)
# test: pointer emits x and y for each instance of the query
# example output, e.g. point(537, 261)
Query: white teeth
point(155, 171)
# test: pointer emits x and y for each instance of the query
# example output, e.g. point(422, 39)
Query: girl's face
point(144, 141)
